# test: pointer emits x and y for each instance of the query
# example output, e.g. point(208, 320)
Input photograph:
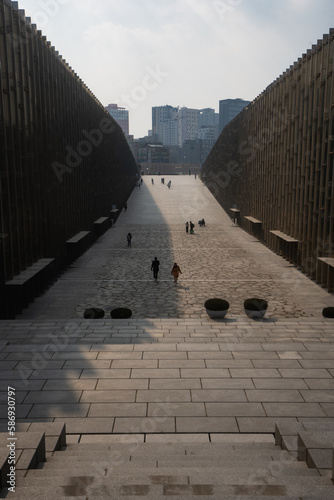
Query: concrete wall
point(64, 161)
point(274, 163)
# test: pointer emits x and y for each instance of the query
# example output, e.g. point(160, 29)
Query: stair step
point(174, 490)
point(298, 469)
point(239, 476)
point(142, 455)
point(141, 463)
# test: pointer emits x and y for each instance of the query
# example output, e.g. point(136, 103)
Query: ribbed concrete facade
point(64, 161)
point(273, 164)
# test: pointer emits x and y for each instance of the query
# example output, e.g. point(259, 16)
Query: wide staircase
point(237, 467)
point(293, 462)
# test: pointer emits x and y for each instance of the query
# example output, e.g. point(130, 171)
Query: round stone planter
point(255, 308)
point(216, 314)
point(255, 314)
point(121, 313)
point(94, 313)
point(216, 308)
point(328, 312)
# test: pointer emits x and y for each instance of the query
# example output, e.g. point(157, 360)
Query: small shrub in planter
point(328, 312)
point(121, 313)
point(94, 313)
point(255, 308)
point(216, 308)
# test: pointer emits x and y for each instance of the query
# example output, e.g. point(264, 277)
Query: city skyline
point(190, 53)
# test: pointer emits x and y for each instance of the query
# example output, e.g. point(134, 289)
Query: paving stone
point(171, 396)
point(83, 425)
point(276, 395)
point(174, 384)
point(218, 395)
point(279, 384)
point(144, 425)
point(117, 396)
point(122, 384)
point(117, 410)
point(107, 373)
point(53, 397)
point(62, 410)
point(293, 409)
point(206, 424)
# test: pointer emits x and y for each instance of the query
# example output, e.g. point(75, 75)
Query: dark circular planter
point(216, 308)
point(255, 308)
point(121, 313)
point(94, 313)
point(328, 312)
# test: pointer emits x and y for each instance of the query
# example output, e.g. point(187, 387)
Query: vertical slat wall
point(283, 163)
point(46, 112)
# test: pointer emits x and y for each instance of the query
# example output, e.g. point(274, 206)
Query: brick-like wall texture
point(274, 163)
point(64, 162)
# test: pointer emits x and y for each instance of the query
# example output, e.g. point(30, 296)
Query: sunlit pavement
point(219, 260)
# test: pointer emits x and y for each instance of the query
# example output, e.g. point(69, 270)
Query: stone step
point(57, 468)
point(239, 443)
point(208, 490)
point(192, 476)
point(171, 454)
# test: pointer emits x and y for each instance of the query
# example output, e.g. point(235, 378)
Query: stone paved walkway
point(170, 369)
point(218, 260)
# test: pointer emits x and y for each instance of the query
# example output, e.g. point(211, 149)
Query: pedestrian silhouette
point(192, 225)
point(155, 267)
point(129, 238)
point(176, 271)
point(187, 227)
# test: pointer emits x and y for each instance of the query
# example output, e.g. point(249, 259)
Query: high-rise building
point(164, 124)
point(188, 124)
point(121, 116)
point(228, 109)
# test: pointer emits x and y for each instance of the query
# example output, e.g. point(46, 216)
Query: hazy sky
point(144, 53)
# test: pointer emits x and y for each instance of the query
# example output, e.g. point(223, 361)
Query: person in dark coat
point(155, 267)
point(129, 238)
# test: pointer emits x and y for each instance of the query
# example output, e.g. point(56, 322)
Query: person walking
point(176, 271)
point(169, 184)
point(129, 238)
point(155, 267)
point(192, 225)
point(187, 227)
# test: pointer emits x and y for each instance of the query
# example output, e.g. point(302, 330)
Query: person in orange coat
point(176, 271)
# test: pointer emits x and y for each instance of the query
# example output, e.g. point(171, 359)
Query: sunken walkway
point(169, 383)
